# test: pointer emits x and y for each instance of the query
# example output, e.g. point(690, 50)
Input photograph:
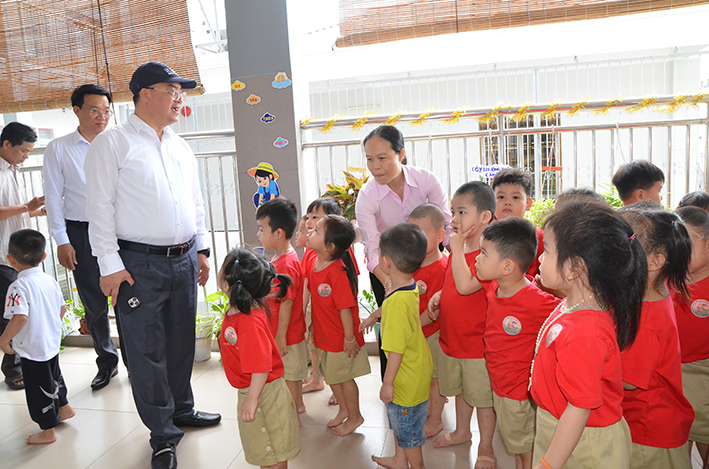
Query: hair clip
point(275, 276)
point(236, 261)
point(674, 222)
point(238, 281)
point(631, 237)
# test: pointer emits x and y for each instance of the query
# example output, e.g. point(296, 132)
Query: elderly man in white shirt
point(65, 192)
point(16, 143)
point(146, 227)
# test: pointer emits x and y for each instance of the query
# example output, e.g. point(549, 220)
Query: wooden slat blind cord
point(49, 47)
point(365, 22)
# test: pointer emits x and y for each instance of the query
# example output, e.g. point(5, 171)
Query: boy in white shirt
point(35, 306)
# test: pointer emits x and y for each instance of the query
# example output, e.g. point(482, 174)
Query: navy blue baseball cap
point(150, 73)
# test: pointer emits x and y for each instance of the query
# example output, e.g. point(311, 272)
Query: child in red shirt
point(462, 302)
point(591, 254)
point(513, 197)
point(268, 420)
point(276, 221)
point(693, 327)
point(658, 414)
point(333, 292)
point(516, 309)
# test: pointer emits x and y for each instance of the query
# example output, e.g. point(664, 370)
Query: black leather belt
point(164, 251)
point(80, 224)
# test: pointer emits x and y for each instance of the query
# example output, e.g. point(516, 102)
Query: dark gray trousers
point(87, 278)
point(157, 317)
point(10, 363)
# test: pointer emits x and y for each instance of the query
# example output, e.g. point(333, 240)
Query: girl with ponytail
point(333, 294)
point(594, 256)
point(252, 362)
point(654, 405)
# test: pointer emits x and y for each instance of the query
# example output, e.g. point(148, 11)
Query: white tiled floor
point(107, 433)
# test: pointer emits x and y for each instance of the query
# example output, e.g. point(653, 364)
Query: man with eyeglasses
point(65, 192)
point(146, 226)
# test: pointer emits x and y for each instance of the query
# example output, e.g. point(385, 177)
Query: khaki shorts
point(435, 346)
point(274, 436)
point(599, 447)
point(295, 362)
point(466, 375)
point(695, 384)
point(308, 322)
point(517, 420)
point(648, 457)
point(338, 368)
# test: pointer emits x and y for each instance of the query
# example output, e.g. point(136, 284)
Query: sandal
point(16, 384)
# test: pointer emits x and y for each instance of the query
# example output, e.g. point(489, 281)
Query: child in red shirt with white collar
point(516, 309)
point(268, 421)
point(460, 309)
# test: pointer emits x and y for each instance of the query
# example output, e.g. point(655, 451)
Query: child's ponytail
point(340, 234)
point(614, 259)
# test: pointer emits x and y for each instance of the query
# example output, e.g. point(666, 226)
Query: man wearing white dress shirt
point(65, 192)
point(16, 143)
point(146, 227)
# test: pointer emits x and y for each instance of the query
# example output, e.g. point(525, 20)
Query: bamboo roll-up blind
point(373, 21)
point(49, 47)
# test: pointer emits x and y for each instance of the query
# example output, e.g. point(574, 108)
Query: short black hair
point(480, 194)
point(695, 199)
point(696, 218)
point(516, 176)
point(578, 194)
point(639, 174)
point(281, 213)
point(77, 97)
point(329, 205)
point(27, 247)
point(264, 174)
point(405, 244)
point(432, 212)
point(17, 134)
point(514, 238)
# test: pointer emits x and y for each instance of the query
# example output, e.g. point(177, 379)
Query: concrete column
point(265, 126)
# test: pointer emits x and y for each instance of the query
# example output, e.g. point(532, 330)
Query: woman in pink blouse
point(390, 195)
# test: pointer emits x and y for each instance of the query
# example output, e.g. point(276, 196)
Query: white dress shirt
point(12, 192)
point(141, 189)
point(65, 183)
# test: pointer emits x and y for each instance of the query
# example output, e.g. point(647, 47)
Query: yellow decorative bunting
point(676, 103)
point(359, 123)
point(394, 118)
point(578, 107)
point(550, 112)
point(607, 107)
point(521, 113)
point(307, 120)
point(492, 115)
point(698, 98)
point(455, 117)
point(641, 105)
point(327, 128)
point(422, 117)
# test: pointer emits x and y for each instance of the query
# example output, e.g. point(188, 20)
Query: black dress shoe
point(103, 377)
point(198, 419)
point(164, 457)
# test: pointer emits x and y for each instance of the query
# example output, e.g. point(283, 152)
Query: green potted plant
point(209, 327)
point(77, 309)
point(346, 195)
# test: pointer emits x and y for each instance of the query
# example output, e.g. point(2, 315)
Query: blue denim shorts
point(407, 423)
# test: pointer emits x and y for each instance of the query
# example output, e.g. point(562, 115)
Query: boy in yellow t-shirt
point(407, 379)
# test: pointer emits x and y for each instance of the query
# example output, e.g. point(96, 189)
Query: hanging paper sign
point(281, 81)
point(280, 142)
point(268, 118)
point(186, 111)
point(238, 85)
point(253, 99)
point(488, 171)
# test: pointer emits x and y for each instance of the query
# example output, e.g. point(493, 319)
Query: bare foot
point(485, 462)
point(66, 412)
point(391, 462)
point(452, 439)
point(433, 427)
point(42, 438)
point(313, 385)
point(348, 426)
point(333, 401)
point(338, 419)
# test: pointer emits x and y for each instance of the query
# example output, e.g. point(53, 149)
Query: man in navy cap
point(146, 227)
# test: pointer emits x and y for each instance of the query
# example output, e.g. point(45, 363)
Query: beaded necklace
point(548, 323)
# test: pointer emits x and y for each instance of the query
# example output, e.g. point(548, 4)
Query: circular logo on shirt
point(422, 287)
point(554, 331)
point(324, 289)
point(512, 325)
point(230, 335)
point(700, 308)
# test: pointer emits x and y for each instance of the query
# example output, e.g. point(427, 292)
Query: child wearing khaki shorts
point(268, 421)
